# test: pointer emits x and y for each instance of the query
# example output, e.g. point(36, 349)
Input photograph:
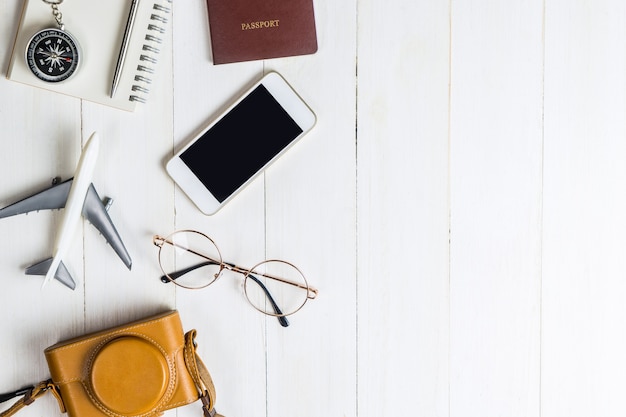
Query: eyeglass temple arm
point(177, 274)
point(281, 319)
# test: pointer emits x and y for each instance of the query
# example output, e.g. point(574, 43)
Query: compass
point(53, 55)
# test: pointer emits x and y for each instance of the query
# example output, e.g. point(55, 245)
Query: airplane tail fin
point(62, 274)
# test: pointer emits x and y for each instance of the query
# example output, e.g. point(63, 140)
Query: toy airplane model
point(78, 196)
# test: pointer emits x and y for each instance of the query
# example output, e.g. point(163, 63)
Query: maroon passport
point(247, 30)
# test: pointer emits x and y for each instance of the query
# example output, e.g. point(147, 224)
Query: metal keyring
point(58, 16)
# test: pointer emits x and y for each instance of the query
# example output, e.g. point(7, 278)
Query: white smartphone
point(234, 148)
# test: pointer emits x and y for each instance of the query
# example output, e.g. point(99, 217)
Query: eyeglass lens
point(190, 259)
point(276, 288)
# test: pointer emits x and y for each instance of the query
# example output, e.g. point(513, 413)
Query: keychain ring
point(53, 1)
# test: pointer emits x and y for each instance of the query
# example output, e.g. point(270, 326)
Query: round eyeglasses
point(192, 260)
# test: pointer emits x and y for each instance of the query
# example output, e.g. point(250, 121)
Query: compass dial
point(53, 55)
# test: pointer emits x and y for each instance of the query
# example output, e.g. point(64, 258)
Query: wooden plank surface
point(583, 333)
point(458, 205)
point(495, 217)
point(40, 140)
point(402, 175)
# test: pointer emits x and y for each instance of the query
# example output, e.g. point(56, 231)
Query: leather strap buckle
point(200, 375)
point(30, 394)
point(206, 407)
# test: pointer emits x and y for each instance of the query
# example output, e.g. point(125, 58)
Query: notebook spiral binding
point(151, 48)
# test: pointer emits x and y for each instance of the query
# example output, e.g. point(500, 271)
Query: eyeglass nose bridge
point(158, 240)
point(234, 268)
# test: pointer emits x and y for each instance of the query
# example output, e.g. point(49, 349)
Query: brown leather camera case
point(136, 369)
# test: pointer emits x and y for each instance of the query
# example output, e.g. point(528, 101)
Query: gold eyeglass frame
point(159, 241)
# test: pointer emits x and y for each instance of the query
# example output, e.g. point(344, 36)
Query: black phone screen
point(241, 143)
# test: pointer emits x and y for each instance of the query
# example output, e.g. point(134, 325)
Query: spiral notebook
point(99, 28)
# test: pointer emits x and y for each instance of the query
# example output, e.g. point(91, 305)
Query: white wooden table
point(460, 205)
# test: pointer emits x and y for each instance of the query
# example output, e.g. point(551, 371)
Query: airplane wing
point(95, 212)
point(48, 199)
